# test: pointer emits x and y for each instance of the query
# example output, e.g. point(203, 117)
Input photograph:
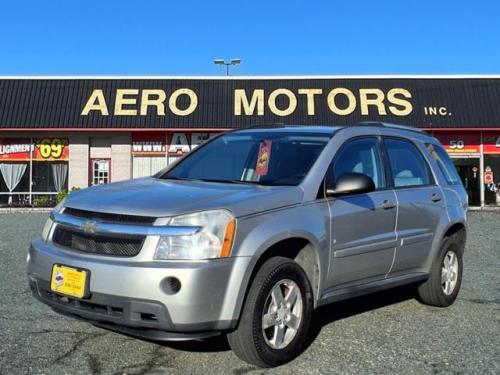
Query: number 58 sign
point(51, 149)
point(457, 144)
point(460, 143)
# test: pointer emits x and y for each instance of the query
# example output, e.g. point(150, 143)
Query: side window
point(361, 156)
point(444, 163)
point(408, 166)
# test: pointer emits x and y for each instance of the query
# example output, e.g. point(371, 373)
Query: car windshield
point(264, 158)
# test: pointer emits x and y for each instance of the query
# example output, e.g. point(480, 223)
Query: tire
point(261, 347)
point(435, 291)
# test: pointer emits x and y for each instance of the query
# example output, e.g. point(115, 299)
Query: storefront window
point(31, 169)
point(15, 181)
point(51, 177)
point(144, 166)
point(491, 149)
point(491, 180)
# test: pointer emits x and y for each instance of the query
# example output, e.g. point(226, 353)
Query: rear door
point(420, 203)
point(363, 235)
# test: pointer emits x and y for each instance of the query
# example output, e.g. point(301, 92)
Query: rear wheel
point(443, 285)
point(276, 315)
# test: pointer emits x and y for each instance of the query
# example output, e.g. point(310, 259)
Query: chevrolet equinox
point(252, 231)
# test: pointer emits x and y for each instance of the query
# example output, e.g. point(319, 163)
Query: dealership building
point(57, 133)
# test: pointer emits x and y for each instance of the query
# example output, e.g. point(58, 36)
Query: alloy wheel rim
point(282, 314)
point(449, 272)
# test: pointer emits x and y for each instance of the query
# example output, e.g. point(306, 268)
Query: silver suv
point(252, 231)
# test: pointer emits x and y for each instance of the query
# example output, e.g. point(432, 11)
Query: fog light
point(170, 285)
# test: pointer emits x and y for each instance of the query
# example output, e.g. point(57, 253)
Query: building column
point(121, 156)
point(78, 175)
point(481, 171)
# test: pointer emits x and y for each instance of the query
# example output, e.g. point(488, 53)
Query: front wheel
point(275, 320)
point(443, 285)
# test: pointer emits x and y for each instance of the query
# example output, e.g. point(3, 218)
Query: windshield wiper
point(226, 181)
point(241, 182)
point(219, 180)
point(177, 178)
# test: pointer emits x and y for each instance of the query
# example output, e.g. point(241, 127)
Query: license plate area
point(70, 281)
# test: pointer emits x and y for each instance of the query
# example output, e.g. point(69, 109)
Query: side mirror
point(351, 183)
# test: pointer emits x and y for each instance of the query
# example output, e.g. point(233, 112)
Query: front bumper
point(129, 295)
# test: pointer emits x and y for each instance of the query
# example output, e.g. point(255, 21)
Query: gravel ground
point(387, 332)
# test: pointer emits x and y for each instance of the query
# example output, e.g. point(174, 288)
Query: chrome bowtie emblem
point(90, 227)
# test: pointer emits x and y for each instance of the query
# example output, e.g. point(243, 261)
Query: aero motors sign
point(43, 149)
point(281, 102)
point(220, 103)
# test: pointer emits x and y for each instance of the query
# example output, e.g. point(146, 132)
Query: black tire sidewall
point(292, 271)
point(448, 244)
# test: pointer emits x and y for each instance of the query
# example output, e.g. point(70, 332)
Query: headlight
point(46, 229)
point(213, 240)
point(48, 224)
point(59, 206)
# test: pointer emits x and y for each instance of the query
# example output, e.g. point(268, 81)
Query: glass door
point(100, 171)
point(468, 169)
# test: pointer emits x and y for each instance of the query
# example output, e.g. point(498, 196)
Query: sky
point(294, 37)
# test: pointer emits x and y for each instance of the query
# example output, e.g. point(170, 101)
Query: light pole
point(227, 64)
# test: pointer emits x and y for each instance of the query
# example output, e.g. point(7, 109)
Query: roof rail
point(388, 125)
point(265, 125)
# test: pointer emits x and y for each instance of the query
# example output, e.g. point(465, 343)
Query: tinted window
point(444, 163)
point(258, 157)
point(361, 156)
point(408, 166)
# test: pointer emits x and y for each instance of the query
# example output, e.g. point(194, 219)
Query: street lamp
point(227, 64)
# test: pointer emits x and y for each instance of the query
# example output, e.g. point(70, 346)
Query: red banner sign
point(42, 149)
point(172, 144)
point(460, 143)
point(149, 144)
point(491, 142)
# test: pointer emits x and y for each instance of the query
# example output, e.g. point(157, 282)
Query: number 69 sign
point(51, 149)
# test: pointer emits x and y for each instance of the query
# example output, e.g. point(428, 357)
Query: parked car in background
point(255, 229)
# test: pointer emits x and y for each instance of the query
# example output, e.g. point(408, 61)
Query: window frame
point(91, 170)
point(329, 174)
point(432, 180)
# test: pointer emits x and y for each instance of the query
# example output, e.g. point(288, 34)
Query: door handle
point(436, 198)
point(387, 205)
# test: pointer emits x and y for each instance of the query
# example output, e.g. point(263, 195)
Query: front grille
point(101, 216)
point(125, 246)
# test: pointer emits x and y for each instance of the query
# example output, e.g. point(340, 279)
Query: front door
point(363, 237)
point(100, 171)
point(420, 204)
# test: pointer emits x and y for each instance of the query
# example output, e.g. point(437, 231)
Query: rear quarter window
point(444, 163)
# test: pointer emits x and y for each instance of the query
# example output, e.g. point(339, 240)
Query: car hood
point(160, 198)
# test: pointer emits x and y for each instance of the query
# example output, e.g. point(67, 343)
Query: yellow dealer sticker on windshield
point(69, 281)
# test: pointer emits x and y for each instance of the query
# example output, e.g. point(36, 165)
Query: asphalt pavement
point(385, 333)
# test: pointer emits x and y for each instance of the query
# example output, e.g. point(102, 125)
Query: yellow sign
point(68, 280)
point(52, 148)
point(281, 101)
